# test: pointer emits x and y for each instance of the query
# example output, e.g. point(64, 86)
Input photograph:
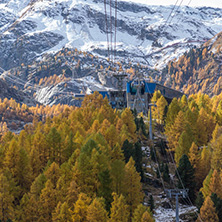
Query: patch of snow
point(148, 174)
point(168, 215)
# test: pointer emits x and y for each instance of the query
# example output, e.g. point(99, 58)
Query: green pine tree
point(185, 174)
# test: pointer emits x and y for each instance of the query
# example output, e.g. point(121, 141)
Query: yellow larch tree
point(133, 187)
point(80, 208)
point(128, 120)
point(119, 209)
point(215, 184)
point(47, 202)
point(62, 213)
point(6, 200)
point(159, 111)
point(117, 173)
point(138, 213)
point(194, 156)
point(96, 211)
point(175, 130)
point(208, 211)
point(147, 217)
point(216, 161)
point(53, 173)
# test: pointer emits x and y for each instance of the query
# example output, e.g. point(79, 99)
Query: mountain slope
point(199, 70)
point(142, 32)
point(18, 96)
point(55, 78)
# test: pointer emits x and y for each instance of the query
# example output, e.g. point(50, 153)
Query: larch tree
point(159, 111)
point(96, 211)
point(205, 164)
point(6, 200)
point(12, 157)
point(205, 127)
point(184, 145)
point(119, 124)
point(133, 188)
point(28, 209)
point(111, 136)
point(191, 116)
point(53, 173)
point(119, 209)
point(39, 144)
point(35, 162)
point(47, 202)
point(117, 174)
point(216, 133)
point(54, 144)
point(194, 156)
point(172, 112)
point(216, 161)
point(62, 213)
point(69, 147)
point(79, 213)
point(208, 211)
point(138, 213)
point(37, 185)
point(175, 130)
point(72, 194)
point(117, 153)
point(128, 120)
point(215, 184)
point(156, 96)
point(104, 126)
point(219, 113)
point(206, 184)
point(24, 171)
point(184, 102)
point(218, 205)
point(147, 217)
point(95, 126)
point(16, 160)
point(22, 141)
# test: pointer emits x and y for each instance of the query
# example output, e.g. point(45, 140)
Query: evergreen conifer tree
point(199, 201)
point(105, 188)
point(185, 174)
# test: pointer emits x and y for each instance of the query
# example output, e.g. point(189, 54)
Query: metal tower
point(177, 193)
point(120, 96)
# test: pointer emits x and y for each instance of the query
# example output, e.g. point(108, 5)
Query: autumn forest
point(86, 164)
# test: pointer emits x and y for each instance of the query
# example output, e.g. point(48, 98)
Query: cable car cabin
point(139, 94)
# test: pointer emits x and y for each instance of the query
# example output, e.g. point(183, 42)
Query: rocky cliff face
point(18, 96)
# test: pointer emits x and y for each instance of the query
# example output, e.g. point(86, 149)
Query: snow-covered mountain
point(144, 33)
